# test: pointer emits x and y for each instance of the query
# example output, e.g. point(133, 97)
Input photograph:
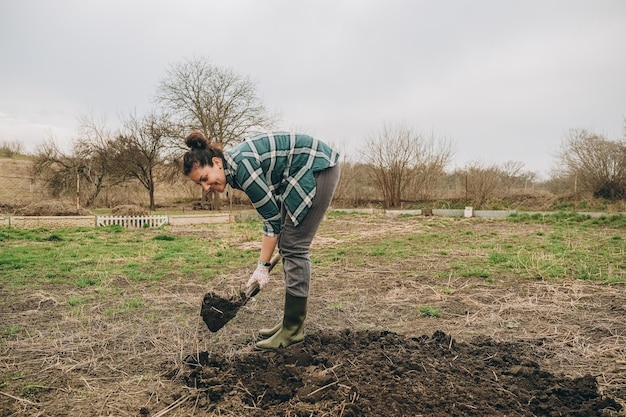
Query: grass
point(428, 311)
point(561, 246)
point(86, 257)
point(571, 219)
point(11, 330)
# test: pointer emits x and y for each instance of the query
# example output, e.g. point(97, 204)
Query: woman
point(290, 180)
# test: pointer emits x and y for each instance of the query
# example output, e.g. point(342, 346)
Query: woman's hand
point(260, 275)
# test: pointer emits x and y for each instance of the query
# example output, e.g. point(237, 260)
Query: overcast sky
point(503, 80)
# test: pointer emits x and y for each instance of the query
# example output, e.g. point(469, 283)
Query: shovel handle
point(254, 288)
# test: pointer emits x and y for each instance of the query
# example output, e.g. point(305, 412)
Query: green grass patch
point(76, 300)
point(84, 257)
point(11, 330)
point(498, 258)
point(85, 282)
point(132, 304)
point(128, 306)
point(564, 218)
point(473, 271)
point(165, 237)
point(559, 246)
point(431, 312)
point(563, 247)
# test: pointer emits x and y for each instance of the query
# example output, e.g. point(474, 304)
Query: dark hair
point(201, 152)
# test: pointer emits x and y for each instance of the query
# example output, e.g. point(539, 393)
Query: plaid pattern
point(275, 169)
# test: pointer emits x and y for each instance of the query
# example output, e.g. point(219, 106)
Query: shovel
point(217, 311)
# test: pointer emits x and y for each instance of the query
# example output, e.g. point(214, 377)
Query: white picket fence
point(133, 221)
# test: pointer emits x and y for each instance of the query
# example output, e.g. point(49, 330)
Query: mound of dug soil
point(129, 210)
point(50, 208)
point(385, 374)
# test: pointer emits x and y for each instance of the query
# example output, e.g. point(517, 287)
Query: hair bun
point(197, 140)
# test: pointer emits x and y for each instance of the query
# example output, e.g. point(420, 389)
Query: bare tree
point(141, 149)
point(354, 188)
point(390, 158)
point(432, 155)
point(11, 148)
point(596, 164)
point(481, 182)
point(81, 173)
point(399, 157)
point(514, 177)
point(94, 147)
point(222, 104)
point(56, 168)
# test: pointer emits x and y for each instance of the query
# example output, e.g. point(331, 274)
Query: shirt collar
point(230, 166)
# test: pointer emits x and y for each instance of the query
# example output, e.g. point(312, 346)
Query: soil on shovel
point(368, 373)
point(217, 311)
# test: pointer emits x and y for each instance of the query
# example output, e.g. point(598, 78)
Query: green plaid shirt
point(275, 169)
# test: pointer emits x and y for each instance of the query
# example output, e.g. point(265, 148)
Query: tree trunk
point(151, 191)
point(217, 201)
point(212, 200)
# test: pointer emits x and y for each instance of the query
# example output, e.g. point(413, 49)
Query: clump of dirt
point(369, 373)
point(217, 311)
point(129, 210)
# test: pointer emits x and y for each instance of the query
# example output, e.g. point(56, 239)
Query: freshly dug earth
point(373, 373)
point(129, 210)
point(216, 311)
point(50, 208)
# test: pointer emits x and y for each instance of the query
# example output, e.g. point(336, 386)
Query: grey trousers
point(294, 242)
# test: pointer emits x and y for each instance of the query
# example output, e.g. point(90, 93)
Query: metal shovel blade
point(216, 311)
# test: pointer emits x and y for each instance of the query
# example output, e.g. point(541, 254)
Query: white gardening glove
point(260, 275)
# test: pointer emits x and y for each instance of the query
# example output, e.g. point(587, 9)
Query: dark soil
point(385, 374)
point(217, 311)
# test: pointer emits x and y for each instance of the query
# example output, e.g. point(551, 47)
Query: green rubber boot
point(265, 333)
point(292, 329)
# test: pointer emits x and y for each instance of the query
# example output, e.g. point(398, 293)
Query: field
point(408, 316)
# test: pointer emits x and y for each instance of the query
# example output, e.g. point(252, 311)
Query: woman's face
point(210, 178)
